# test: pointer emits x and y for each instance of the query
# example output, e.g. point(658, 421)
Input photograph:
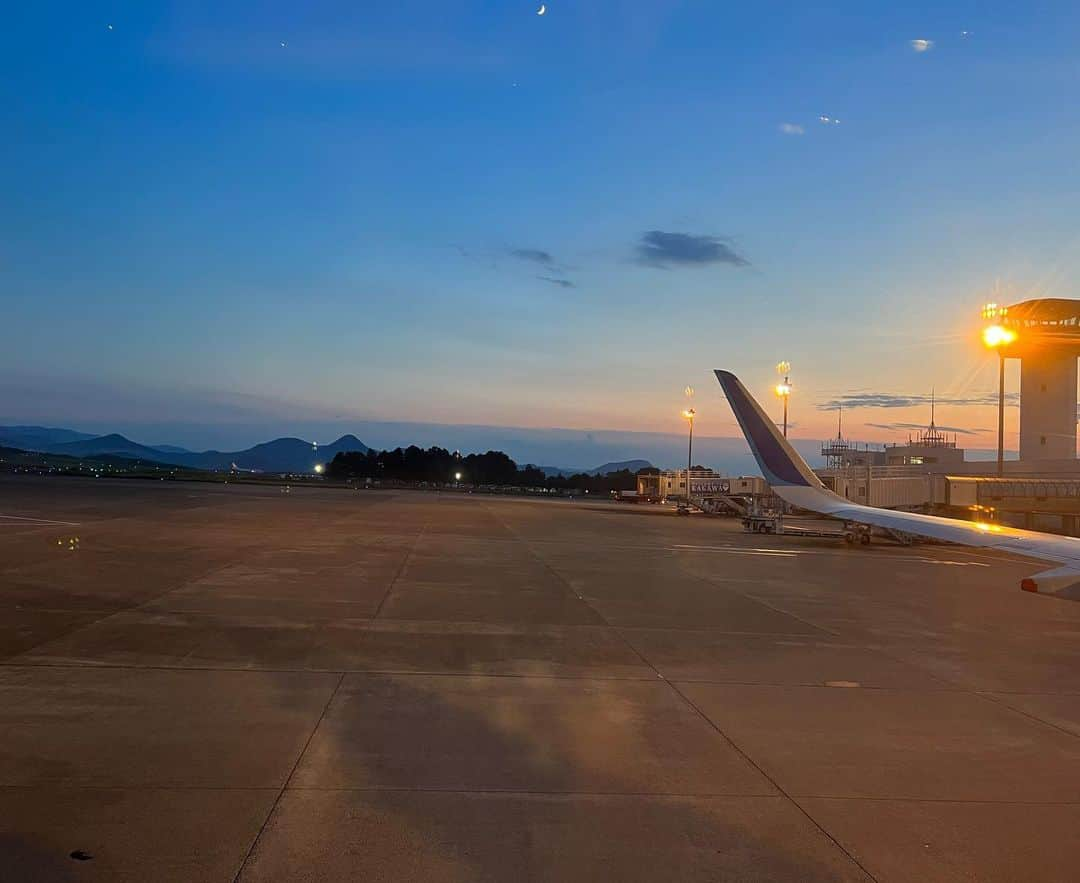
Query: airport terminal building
point(1041, 489)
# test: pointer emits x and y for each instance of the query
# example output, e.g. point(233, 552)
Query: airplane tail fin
point(780, 463)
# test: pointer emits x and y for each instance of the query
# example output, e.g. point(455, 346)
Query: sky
point(224, 221)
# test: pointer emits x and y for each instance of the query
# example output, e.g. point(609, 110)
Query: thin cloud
point(922, 45)
point(890, 400)
point(562, 283)
point(792, 129)
point(536, 255)
point(920, 426)
point(658, 248)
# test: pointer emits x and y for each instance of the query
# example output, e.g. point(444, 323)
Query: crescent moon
point(542, 9)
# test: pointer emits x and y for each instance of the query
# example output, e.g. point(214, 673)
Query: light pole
point(998, 337)
point(783, 388)
point(689, 415)
point(1001, 413)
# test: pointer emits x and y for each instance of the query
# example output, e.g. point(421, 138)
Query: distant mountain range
point(37, 438)
point(618, 466)
point(279, 455)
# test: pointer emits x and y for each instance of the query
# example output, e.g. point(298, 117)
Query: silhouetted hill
point(556, 470)
point(44, 463)
point(345, 443)
point(34, 438)
point(110, 444)
point(631, 465)
point(279, 455)
point(617, 466)
point(171, 449)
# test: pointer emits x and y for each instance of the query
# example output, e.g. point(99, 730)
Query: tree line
point(437, 465)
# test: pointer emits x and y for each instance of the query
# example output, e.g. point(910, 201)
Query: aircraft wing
point(795, 482)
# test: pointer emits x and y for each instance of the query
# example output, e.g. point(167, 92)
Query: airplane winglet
point(779, 462)
point(1061, 581)
point(795, 483)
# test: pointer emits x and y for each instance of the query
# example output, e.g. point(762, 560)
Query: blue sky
point(467, 213)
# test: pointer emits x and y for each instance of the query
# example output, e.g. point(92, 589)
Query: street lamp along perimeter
point(689, 414)
point(783, 388)
point(997, 337)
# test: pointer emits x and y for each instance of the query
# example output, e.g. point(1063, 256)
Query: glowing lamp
point(995, 336)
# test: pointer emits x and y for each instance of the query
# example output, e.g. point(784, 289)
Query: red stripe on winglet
point(1029, 585)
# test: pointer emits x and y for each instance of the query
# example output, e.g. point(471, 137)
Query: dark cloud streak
point(536, 255)
point(890, 400)
point(562, 283)
point(663, 250)
point(919, 427)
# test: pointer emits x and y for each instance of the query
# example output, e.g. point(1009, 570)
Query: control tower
point(1044, 335)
